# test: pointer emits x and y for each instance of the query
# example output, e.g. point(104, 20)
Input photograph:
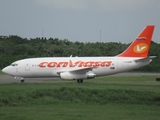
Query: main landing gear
point(22, 81)
point(80, 81)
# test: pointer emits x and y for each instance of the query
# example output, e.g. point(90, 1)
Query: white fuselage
point(53, 66)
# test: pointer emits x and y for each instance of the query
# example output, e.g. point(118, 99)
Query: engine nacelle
point(91, 75)
point(75, 76)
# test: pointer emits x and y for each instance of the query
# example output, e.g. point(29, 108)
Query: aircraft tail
point(141, 45)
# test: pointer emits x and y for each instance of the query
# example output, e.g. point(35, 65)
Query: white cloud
point(105, 5)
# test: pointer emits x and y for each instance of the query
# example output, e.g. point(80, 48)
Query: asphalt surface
point(10, 79)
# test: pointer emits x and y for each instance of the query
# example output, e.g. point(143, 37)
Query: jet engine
point(76, 76)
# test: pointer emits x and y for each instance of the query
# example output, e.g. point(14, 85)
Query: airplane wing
point(77, 70)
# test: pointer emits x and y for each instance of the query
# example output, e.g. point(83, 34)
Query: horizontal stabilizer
point(148, 58)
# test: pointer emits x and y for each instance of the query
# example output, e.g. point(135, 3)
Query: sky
point(80, 20)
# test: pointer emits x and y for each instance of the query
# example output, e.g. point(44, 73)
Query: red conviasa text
point(75, 64)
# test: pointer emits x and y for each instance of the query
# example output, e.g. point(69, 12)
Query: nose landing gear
point(19, 78)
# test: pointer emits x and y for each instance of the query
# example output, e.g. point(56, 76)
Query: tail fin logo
point(140, 48)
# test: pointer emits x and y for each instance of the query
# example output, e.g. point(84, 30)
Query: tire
point(80, 81)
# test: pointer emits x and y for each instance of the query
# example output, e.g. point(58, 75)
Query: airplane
point(79, 68)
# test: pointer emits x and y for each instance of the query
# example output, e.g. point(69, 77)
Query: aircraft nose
point(9, 70)
point(6, 70)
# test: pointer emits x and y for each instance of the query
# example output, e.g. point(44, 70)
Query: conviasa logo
point(140, 48)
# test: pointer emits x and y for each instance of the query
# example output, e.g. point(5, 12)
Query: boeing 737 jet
point(79, 68)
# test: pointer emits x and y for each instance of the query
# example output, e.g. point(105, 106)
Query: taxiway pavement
point(9, 79)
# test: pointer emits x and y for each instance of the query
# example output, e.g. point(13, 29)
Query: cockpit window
point(14, 64)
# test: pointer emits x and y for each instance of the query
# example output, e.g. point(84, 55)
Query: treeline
point(13, 48)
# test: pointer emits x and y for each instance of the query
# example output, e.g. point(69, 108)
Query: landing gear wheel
point(80, 81)
point(22, 81)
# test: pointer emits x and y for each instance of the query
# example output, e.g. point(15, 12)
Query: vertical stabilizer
point(141, 45)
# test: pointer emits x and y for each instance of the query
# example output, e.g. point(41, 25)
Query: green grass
point(74, 111)
point(112, 98)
